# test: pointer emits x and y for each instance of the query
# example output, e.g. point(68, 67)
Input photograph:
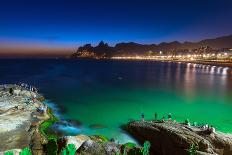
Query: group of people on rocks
point(23, 85)
point(156, 116)
point(208, 129)
point(205, 128)
point(29, 87)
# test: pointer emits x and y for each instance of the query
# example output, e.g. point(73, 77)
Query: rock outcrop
point(77, 140)
point(172, 138)
point(21, 112)
point(94, 145)
point(95, 148)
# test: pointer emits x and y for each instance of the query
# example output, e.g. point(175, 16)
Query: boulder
point(111, 148)
point(91, 147)
point(175, 138)
point(77, 140)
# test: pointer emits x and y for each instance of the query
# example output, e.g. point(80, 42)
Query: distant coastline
point(205, 49)
point(207, 62)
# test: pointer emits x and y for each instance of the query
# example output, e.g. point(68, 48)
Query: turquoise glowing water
point(110, 93)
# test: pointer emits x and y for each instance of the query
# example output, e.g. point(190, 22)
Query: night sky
point(63, 25)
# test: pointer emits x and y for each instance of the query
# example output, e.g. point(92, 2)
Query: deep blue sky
point(70, 23)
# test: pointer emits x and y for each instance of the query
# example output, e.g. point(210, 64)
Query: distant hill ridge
point(103, 49)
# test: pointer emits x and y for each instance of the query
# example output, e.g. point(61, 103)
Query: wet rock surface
point(172, 138)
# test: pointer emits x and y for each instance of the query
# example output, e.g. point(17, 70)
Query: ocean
point(102, 95)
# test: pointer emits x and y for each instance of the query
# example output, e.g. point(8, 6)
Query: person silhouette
point(169, 116)
point(156, 116)
point(142, 116)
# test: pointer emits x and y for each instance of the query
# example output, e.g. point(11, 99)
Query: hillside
point(131, 48)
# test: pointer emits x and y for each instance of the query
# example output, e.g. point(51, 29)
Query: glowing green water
point(110, 93)
point(195, 93)
point(114, 107)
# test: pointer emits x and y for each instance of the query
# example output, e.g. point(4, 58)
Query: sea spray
point(63, 126)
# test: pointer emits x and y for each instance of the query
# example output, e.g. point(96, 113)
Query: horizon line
point(36, 50)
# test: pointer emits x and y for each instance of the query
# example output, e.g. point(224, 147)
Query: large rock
point(77, 140)
point(175, 138)
point(91, 147)
point(111, 148)
point(94, 145)
point(20, 118)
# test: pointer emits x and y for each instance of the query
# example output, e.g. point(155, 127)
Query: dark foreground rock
point(171, 138)
point(96, 145)
point(96, 148)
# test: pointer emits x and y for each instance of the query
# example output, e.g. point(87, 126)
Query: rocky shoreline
point(172, 138)
point(25, 120)
point(21, 113)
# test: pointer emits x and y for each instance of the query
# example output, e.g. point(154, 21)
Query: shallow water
point(110, 93)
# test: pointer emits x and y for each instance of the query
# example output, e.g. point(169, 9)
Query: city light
point(180, 57)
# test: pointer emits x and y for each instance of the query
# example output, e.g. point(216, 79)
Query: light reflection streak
point(225, 71)
point(216, 76)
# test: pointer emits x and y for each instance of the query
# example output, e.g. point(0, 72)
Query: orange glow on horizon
point(36, 51)
point(34, 48)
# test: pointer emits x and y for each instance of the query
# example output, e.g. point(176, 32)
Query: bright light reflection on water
point(110, 93)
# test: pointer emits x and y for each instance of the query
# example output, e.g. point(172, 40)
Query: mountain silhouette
point(132, 48)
